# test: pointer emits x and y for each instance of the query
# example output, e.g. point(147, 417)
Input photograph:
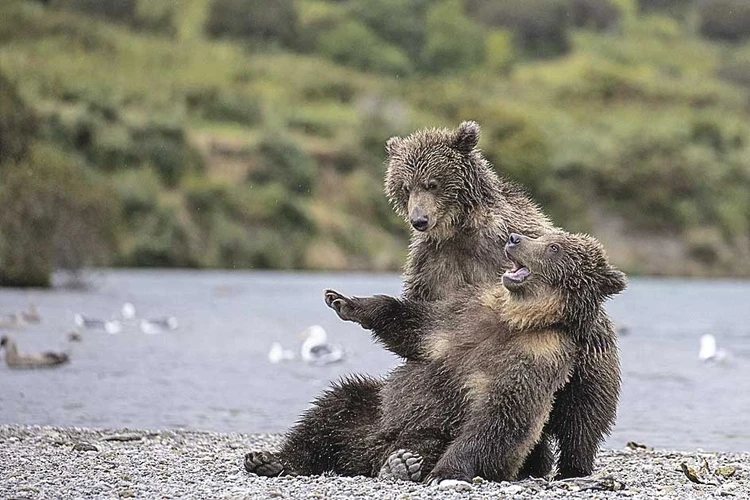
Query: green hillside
point(250, 134)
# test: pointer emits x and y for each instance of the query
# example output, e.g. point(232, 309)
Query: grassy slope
point(561, 126)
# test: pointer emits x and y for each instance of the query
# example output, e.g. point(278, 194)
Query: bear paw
point(263, 463)
point(341, 304)
point(402, 465)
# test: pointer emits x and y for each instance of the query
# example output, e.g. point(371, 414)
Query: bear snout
point(420, 223)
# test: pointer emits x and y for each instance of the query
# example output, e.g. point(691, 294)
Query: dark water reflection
point(213, 373)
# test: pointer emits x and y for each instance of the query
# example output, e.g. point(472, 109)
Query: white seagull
point(158, 325)
point(278, 353)
point(316, 351)
point(709, 352)
point(128, 311)
point(111, 327)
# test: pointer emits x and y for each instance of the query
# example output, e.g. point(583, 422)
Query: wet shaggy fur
point(479, 406)
point(474, 209)
point(441, 175)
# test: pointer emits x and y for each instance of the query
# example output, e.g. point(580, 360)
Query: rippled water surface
point(213, 372)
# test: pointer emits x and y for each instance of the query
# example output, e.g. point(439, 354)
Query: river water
point(213, 373)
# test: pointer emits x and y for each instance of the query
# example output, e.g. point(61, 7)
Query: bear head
point(437, 177)
point(565, 275)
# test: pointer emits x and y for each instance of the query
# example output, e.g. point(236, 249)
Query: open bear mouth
point(519, 272)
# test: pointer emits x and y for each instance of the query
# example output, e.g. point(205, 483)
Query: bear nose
point(514, 239)
point(420, 223)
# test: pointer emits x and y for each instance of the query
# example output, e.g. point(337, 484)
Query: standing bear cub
point(495, 356)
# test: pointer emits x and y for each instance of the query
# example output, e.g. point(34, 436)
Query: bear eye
point(554, 247)
point(405, 189)
point(432, 185)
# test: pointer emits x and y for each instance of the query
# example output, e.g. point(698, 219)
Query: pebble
point(189, 464)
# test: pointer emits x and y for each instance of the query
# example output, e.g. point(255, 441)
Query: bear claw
point(402, 465)
point(263, 463)
point(340, 304)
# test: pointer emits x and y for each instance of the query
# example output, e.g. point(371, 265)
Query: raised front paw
point(344, 306)
point(402, 465)
point(263, 463)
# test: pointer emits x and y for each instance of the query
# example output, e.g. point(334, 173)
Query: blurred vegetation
point(238, 134)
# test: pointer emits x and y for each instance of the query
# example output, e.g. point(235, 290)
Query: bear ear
point(466, 136)
point(613, 281)
point(392, 145)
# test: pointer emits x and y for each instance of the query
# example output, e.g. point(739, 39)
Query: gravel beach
point(49, 462)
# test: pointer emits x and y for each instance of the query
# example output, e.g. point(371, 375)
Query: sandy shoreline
point(48, 462)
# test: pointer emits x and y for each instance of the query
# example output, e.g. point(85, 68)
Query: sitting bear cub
point(495, 356)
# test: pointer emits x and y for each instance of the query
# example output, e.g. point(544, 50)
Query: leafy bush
point(163, 240)
point(17, 123)
point(114, 10)
point(725, 19)
point(400, 22)
point(166, 147)
point(257, 20)
point(594, 14)
point(668, 6)
point(139, 189)
point(52, 205)
point(453, 42)
point(540, 26)
point(499, 52)
point(354, 44)
point(213, 104)
point(281, 160)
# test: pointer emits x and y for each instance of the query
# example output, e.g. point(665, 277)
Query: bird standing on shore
point(22, 361)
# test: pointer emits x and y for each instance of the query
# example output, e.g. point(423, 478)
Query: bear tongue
point(517, 273)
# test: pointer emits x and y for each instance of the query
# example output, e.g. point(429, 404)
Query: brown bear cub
point(494, 357)
point(440, 183)
point(461, 210)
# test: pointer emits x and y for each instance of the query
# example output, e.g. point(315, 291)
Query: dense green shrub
point(138, 189)
point(257, 20)
point(212, 104)
point(354, 44)
point(114, 10)
point(281, 160)
point(17, 123)
point(735, 67)
point(725, 19)
point(163, 240)
point(453, 42)
point(668, 6)
point(594, 14)
point(167, 148)
point(540, 26)
point(401, 22)
point(50, 204)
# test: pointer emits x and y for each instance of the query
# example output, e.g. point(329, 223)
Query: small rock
point(477, 480)
point(728, 489)
point(725, 471)
point(85, 447)
point(454, 484)
point(636, 446)
point(123, 437)
point(513, 489)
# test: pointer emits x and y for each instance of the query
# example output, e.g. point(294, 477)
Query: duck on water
point(16, 360)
